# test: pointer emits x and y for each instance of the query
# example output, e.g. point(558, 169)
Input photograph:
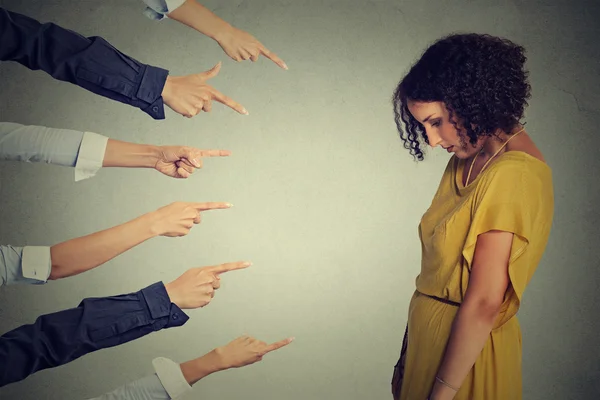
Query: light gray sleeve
point(167, 383)
point(31, 143)
point(30, 264)
point(66, 147)
point(158, 9)
point(147, 388)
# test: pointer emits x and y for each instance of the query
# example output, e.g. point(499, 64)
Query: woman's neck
point(493, 143)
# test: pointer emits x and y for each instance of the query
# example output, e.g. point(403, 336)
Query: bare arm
point(474, 321)
point(82, 254)
point(240, 352)
point(237, 44)
point(198, 17)
point(132, 155)
point(174, 380)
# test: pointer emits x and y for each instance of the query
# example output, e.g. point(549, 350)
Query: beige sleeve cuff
point(91, 155)
point(171, 377)
point(36, 263)
point(172, 5)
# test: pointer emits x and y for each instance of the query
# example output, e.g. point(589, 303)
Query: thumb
point(192, 155)
point(211, 73)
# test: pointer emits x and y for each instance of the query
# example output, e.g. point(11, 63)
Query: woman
point(488, 224)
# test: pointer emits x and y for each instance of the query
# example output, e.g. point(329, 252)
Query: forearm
point(32, 143)
point(84, 253)
point(29, 264)
point(91, 63)
point(147, 388)
point(470, 331)
point(200, 367)
point(97, 323)
point(170, 381)
point(124, 154)
point(198, 17)
point(66, 147)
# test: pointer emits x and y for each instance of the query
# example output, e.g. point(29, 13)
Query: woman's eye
point(436, 124)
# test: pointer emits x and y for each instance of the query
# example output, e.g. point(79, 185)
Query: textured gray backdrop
point(326, 201)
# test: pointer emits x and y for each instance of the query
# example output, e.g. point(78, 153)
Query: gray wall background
point(326, 200)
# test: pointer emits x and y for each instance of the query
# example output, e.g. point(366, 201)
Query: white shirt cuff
point(91, 155)
point(36, 263)
point(171, 377)
point(173, 4)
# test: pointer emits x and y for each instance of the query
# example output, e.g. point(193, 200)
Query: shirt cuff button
point(155, 108)
point(175, 316)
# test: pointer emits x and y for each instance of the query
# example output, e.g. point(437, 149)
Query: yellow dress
point(513, 194)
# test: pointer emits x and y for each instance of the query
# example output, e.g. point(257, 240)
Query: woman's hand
point(246, 350)
point(241, 46)
point(196, 287)
point(177, 219)
point(181, 161)
point(190, 94)
point(441, 392)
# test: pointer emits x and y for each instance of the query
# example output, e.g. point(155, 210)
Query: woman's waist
point(439, 299)
point(440, 296)
point(430, 309)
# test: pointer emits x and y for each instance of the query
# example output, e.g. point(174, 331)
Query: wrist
point(145, 156)
point(172, 293)
point(220, 31)
point(149, 225)
point(441, 392)
point(132, 155)
point(166, 92)
point(198, 368)
point(220, 358)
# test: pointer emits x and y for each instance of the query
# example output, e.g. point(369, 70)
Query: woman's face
point(435, 118)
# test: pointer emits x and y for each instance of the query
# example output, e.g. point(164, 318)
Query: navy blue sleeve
point(91, 63)
point(97, 323)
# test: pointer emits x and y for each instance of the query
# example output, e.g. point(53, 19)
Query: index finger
point(219, 269)
point(214, 153)
point(229, 102)
point(277, 345)
point(273, 57)
point(211, 206)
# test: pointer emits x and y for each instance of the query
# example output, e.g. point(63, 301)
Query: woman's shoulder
point(521, 162)
point(518, 174)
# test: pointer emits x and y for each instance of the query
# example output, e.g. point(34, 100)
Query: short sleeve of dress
point(513, 198)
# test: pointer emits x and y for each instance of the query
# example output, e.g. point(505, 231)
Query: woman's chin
point(459, 152)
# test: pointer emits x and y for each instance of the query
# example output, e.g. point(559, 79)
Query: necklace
point(490, 159)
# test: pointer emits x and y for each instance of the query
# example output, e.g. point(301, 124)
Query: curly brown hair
point(480, 78)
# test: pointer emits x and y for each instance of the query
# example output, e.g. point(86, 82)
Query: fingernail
point(247, 263)
point(244, 111)
point(291, 339)
point(229, 205)
point(196, 163)
point(285, 66)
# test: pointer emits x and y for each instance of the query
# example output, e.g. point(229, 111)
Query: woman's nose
point(434, 139)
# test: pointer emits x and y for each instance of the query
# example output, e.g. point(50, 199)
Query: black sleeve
point(91, 63)
point(97, 323)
